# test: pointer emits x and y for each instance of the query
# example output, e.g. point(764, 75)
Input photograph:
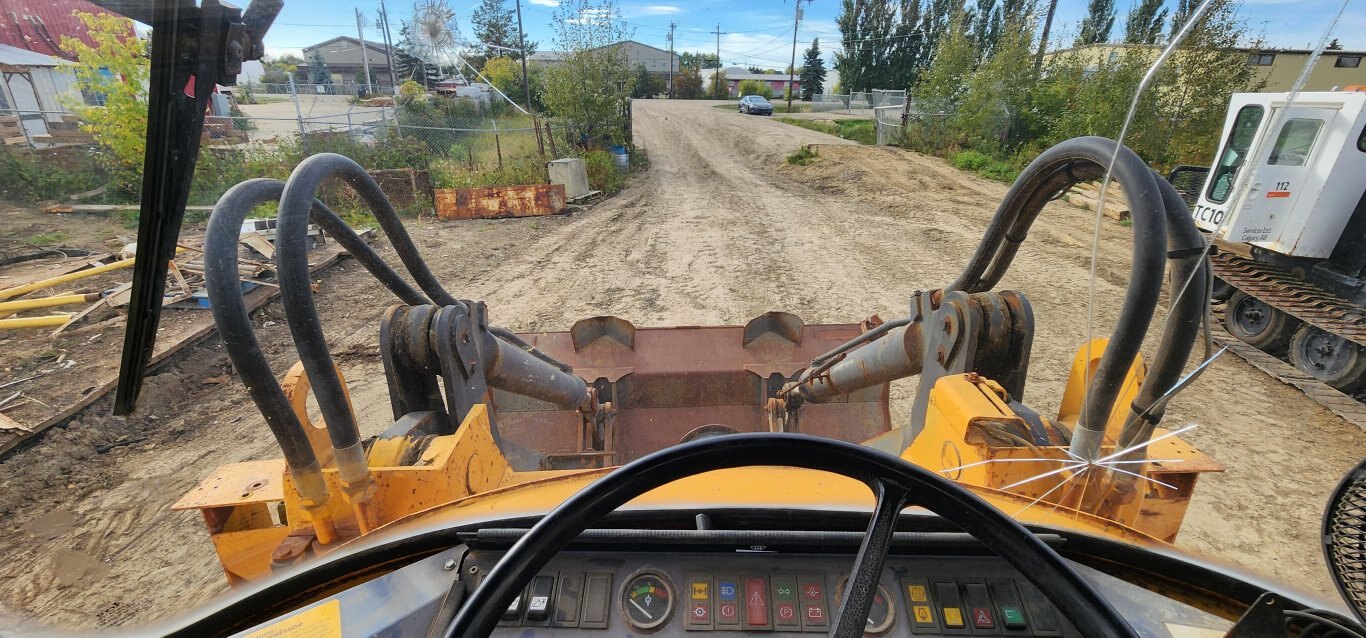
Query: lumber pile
point(11, 130)
point(222, 131)
point(1087, 195)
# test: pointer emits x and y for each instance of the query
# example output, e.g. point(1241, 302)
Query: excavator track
point(1285, 292)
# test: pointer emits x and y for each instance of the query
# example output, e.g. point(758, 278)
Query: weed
point(984, 165)
point(49, 238)
point(803, 156)
point(861, 131)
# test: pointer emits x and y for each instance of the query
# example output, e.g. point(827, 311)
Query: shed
point(31, 88)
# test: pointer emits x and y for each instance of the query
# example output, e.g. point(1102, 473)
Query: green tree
point(754, 87)
point(718, 88)
point(278, 69)
point(1184, 9)
point(646, 85)
point(494, 26)
point(1099, 21)
point(698, 61)
point(1210, 68)
point(317, 69)
point(942, 86)
point(866, 33)
point(591, 86)
point(993, 111)
point(411, 67)
point(813, 71)
point(1144, 23)
point(986, 27)
point(688, 84)
point(115, 69)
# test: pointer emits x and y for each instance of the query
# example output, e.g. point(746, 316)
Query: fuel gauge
point(647, 600)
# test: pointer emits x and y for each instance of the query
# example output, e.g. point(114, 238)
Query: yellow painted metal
point(33, 322)
point(1074, 394)
point(9, 293)
point(7, 307)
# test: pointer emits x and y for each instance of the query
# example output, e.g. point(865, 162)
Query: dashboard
point(637, 582)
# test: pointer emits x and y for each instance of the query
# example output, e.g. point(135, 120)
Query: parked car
point(755, 105)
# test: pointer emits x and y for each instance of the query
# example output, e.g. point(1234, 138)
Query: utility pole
point(671, 57)
point(1043, 39)
point(792, 68)
point(716, 79)
point(364, 50)
point(388, 46)
point(521, 44)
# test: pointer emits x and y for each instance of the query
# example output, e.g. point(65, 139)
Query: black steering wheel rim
point(896, 483)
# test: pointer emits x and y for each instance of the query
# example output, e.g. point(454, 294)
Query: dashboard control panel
point(688, 594)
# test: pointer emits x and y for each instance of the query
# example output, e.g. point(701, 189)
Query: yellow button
point(953, 617)
point(923, 615)
point(917, 593)
point(699, 591)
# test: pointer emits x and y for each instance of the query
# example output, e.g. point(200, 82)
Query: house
point(32, 94)
point(40, 25)
point(1277, 68)
point(737, 74)
point(345, 60)
point(655, 61)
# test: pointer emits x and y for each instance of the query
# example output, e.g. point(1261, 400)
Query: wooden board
point(500, 201)
point(172, 339)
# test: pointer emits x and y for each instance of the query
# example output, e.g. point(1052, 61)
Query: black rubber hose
point(234, 323)
point(1068, 163)
point(1190, 272)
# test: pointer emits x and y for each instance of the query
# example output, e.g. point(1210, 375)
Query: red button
point(756, 602)
point(981, 618)
point(815, 614)
point(812, 591)
point(700, 614)
point(728, 613)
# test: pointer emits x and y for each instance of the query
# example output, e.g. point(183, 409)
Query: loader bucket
point(668, 385)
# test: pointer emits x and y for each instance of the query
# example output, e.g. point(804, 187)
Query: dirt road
point(717, 231)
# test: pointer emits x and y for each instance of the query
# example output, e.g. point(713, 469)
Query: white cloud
point(659, 10)
point(545, 3)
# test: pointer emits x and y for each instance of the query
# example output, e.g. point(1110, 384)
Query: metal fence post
point(497, 144)
point(298, 112)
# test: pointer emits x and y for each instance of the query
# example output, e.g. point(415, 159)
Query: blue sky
point(759, 32)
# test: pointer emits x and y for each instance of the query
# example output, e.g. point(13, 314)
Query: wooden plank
point(107, 208)
point(500, 201)
point(323, 259)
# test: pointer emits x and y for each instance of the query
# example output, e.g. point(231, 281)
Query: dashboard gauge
point(647, 600)
point(881, 614)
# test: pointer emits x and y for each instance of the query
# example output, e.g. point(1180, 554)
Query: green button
point(1014, 618)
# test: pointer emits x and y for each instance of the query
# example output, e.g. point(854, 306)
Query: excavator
point(1286, 214)
point(622, 480)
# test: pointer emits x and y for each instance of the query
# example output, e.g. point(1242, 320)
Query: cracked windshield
point(644, 317)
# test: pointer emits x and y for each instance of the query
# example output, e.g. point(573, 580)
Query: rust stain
point(500, 201)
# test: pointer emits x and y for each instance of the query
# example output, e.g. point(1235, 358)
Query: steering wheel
point(896, 484)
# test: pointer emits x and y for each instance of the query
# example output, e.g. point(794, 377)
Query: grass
point(803, 156)
point(861, 131)
point(985, 165)
point(49, 238)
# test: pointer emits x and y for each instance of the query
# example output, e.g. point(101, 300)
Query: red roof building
point(39, 25)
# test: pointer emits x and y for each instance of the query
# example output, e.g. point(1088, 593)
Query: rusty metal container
point(500, 201)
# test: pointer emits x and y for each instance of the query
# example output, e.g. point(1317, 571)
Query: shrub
point(755, 87)
point(603, 174)
point(803, 156)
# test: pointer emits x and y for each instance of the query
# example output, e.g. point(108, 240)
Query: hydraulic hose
point(234, 325)
point(1068, 163)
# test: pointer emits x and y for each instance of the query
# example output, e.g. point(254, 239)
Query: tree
point(813, 71)
point(1184, 8)
point(865, 30)
point(1099, 21)
point(688, 84)
point(1211, 69)
point(116, 70)
point(718, 88)
point(591, 86)
point(986, 27)
point(505, 74)
point(645, 85)
point(1334, 45)
point(493, 26)
point(411, 67)
point(278, 69)
point(757, 70)
point(942, 86)
point(698, 61)
point(754, 87)
point(1144, 22)
point(317, 69)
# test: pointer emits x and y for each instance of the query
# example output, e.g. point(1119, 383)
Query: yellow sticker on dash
point(699, 591)
point(323, 621)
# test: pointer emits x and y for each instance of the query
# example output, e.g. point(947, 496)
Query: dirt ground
point(717, 231)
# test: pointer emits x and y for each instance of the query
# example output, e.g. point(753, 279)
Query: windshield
point(572, 160)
